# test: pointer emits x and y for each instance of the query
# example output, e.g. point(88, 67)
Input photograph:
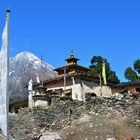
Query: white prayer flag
point(30, 85)
point(73, 80)
point(37, 79)
point(4, 74)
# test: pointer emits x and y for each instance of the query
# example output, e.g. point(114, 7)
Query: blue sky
point(51, 28)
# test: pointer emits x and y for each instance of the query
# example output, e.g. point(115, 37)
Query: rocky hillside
point(97, 118)
point(22, 68)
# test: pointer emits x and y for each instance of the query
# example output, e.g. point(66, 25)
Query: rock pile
point(30, 123)
point(126, 105)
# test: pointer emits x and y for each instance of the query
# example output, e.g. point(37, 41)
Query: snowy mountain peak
point(27, 55)
point(23, 67)
point(31, 58)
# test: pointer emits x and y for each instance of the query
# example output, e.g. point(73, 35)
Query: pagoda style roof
point(127, 84)
point(71, 66)
point(86, 77)
point(73, 59)
point(75, 75)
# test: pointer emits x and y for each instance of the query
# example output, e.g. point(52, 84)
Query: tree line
point(96, 69)
point(133, 73)
point(130, 73)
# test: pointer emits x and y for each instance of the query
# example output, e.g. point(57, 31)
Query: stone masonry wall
point(91, 87)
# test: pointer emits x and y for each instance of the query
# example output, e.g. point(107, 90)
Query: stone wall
point(91, 87)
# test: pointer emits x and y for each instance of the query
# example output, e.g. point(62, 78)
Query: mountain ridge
point(23, 67)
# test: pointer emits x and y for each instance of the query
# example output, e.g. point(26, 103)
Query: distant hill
point(22, 68)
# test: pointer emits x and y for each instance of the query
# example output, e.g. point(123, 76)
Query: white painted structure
point(80, 87)
point(30, 89)
point(4, 74)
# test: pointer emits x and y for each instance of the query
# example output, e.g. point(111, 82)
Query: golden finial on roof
point(72, 54)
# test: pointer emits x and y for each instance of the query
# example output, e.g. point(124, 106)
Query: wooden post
point(64, 82)
point(100, 78)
